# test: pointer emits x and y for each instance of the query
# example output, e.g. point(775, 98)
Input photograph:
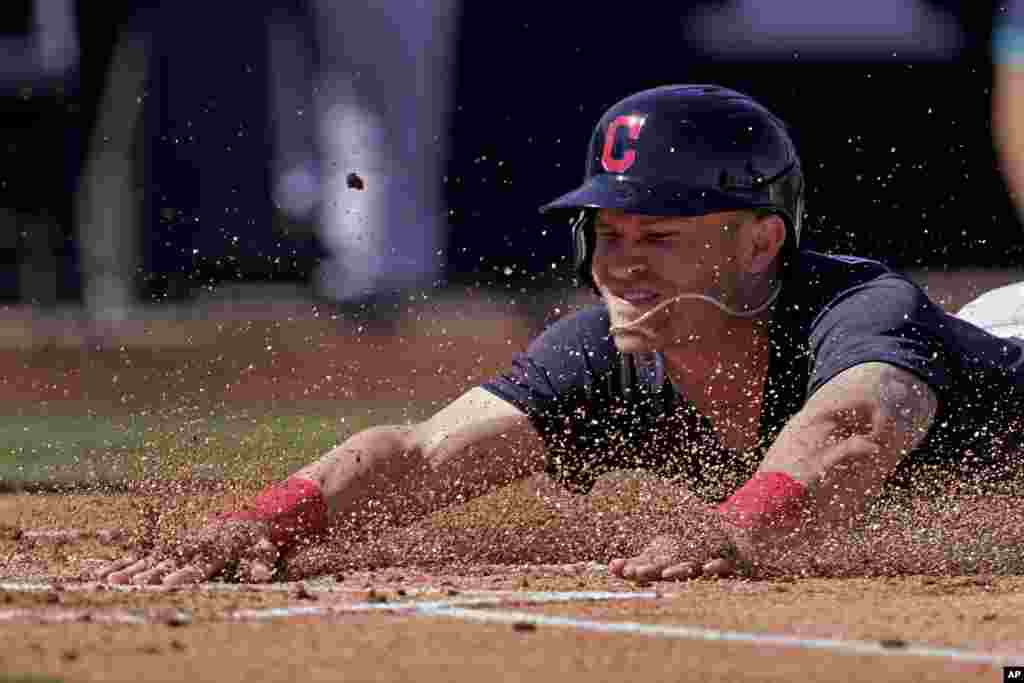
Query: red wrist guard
point(295, 509)
point(769, 499)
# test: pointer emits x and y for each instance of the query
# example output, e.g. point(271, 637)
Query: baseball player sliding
point(783, 387)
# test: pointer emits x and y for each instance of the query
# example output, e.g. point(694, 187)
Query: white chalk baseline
point(484, 607)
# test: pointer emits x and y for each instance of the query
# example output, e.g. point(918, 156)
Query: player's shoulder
point(820, 277)
point(1008, 34)
point(586, 329)
point(818, 283)
point(813, 266)
point(587, 321)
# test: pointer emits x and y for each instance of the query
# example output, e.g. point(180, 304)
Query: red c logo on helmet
point(633, 123)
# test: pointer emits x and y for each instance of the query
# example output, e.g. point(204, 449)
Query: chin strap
point(711, 300)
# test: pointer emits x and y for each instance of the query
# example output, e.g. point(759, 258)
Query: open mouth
point(637, 297)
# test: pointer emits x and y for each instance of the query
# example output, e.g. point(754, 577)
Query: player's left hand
point(202, 556)
point(710, 552)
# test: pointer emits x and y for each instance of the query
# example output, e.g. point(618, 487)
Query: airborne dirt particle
point(892, 643)
point(174, 618)
point(354, 181)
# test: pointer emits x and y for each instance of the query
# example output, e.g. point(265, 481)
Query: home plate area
point(92, 602)
point(632, 616)
point(473, 620)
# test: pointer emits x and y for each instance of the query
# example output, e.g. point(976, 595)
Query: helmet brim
point(634, 195)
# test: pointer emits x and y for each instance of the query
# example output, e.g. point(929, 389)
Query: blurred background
point(292, 219)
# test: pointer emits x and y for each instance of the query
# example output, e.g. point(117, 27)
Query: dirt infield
point(513, 586)
point(391, 643)
point(424, 616)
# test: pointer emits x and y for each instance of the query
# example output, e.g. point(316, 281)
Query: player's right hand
point(201, 557)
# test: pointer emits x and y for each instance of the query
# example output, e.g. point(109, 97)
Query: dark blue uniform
point(599, 410)
point(1008, 34)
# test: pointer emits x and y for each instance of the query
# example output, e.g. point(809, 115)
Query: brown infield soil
point(939, 571)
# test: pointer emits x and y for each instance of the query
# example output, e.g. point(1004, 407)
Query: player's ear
point(764, 239)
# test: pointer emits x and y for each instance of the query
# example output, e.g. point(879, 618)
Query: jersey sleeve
point(888, 320)
point(565, 361)
point(590, 412)
point(1008, 34)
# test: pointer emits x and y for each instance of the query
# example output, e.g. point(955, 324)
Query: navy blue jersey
point(599, 410)
point(1008, 34)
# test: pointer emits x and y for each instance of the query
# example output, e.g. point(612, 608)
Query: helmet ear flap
point(789, 196)
point(583, 247)
point(787, 193)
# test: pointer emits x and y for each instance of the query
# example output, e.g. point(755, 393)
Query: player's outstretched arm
point(391, 473)
point(834, 456)
point(829, 460)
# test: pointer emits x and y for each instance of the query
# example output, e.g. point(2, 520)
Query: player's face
point(641, 261)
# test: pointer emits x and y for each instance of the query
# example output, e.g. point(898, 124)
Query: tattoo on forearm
point(908, 406)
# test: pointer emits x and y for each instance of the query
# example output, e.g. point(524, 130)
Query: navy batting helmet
point(685, 150)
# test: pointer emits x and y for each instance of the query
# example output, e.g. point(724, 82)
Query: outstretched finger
point(651, 571)
point(680, 572)
point(125, 574)
point(197, 572)
point(258, 562)
point(155, 574)
point(253, 571)
point(112, 567)
point(719, 568)
point(639, 568)
point(616, 566)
